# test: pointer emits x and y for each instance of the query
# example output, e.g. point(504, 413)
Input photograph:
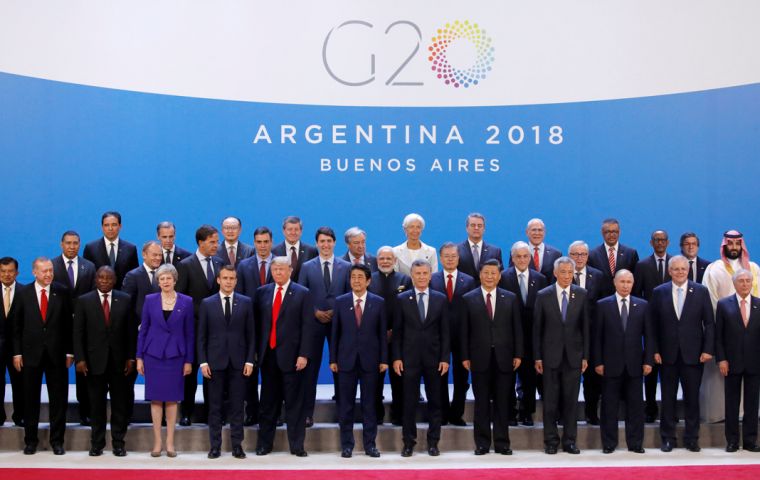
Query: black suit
point(242, 252)
point(738, 345)
point(622, 352)
point(529, 381)
point(279, 378)
point(547, 261)
point(592, 383)
point(126, 257)
point(226, 344)
point(464, 283)
point(106, 349)
point(467, 262)
point(698, 269)
point(422, 344)
point(561, 345)
point(193, 281)
point(491, 344)
point(179, 255)
point(680, 341)
point(305, 253)
point(368, 260)
point(388, 286)
point(625, 258)
point(7, 323)
point(44, 344)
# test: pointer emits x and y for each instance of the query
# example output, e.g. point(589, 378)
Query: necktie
point(578, 278)
point(358, 312)
point(489, 306)
point(564, 306)
point(70, 271)
point(153, 279)
point(263, 273)
point(227, 310)
point(43, 305)
point(523, 288)
point(679, 300)
point(168, 258)
point(232, 255)
point(692, 271)
point(209, 273)
point(476, 256)
point(624, 314)
point(421, 306)
point(293, 258)
point(7, 301)
point(275, 313)
point(326, 274)
point(536, 260)
point(106, 310)
point(660, 270)
point(112, 255)
point(611, 259)
point(745, 317)
point(450, 288)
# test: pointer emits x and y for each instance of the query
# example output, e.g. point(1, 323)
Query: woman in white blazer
point(413, 248)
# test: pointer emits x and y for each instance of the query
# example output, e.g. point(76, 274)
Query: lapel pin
point(572, 295)
point(635, 304)
point(691, 290)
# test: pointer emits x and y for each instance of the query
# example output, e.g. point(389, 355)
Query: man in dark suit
point(492, 349)
point(356, 242)
point(690, 249)
point(622, 351)
point(10, 288)
point(105, 337)
point(525, 283)
point(611, 256)
point(197, 278)
point(42, 344)
point(421, 350)
point(542, 255)
point(166, 234)
point(285, 313)
point(252, 273)
point(388, 284)
point(78, 274)
point(454, 284)
point(737, 332)
point(231, 249)
point(685, 338)
point(226, 352)
point(650, 273)
point(112, 250)
point(292, 247)
point(358, 350)
point(326, 277)
point(475, 246)
point(561, 347)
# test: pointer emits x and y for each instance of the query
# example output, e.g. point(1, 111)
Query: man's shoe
point(592, 420)
point(96, 452)
point(372, 452)
point(249, 421)
point(407, 451)
point(732, 447)
point(433, 451)
point(458, 422)
point(185, 422)
point(512, 422)
point(238, 452)
point(58, 450)
point(528, 420)
point(119, 452)
point(280, 422)
point(260, 451)
point(550, 449)
point(481, 450)
point(667, 446)
point(30, 450)
point(19, 423)
point(752, 448)
point(396, 422)
point(346, 453)
point(300, 453)
point(571, 449)
point(309, 422)
point(504, 451)
point(214, 453)
point(636, 449)
point(649, 418)
point(693, 447)
point(608, 450)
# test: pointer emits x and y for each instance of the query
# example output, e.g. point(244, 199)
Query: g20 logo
point(460, 54)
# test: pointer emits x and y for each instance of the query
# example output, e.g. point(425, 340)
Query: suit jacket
point(404, 258)
point(547, 262)
point(126, 257)
point(735, 343)
point(701, 266)
point(553, 338)
point(646, 277)
point(222, 344)
point(594, 280)
point(622, 350)
point(32, 335)
point(693, 333)
point(243, 251)
point(293, 324)
point(312, 277)
point(388, 286)
point(193, 281)
point(179, 255)
point(479, 333)
point(369, 260)
point(511, 283)
point(626, 258)
point(417, 342)
point(137, 285)
point(85, 276)
point(93, 341)
point(305, 253)
point(8, 323)
point(467, 262)
point(464, 284)
point(361, 347)
point(248, 280)
point(171, 338)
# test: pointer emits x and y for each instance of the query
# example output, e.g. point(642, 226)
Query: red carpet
point(710, 472)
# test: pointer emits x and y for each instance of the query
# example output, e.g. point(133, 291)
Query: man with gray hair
point(542, 255)
point(474, 251)
point(166, 233)
point(356, 242)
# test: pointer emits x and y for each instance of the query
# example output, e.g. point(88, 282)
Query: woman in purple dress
point(165, 351)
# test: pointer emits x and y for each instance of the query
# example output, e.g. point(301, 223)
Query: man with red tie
point(611, 256)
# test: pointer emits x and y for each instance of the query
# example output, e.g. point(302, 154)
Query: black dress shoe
point(550, 450)
point(459, 422)
point(119, 452)
point(237, 452)
point(214, 453)
point(592, 420)
point(504, 451)
point(649, 418)
point(693, 447)
point(299, 453)
point(372, 452)
point(19, 423)
point(732, 447)
point(396, 422)
point(85, 421)
point(571, 449)
point(280, 422)
point(752, 448)
point(309, 422)
point(96, 452)
point(346, 453)
point(512, 422)
point(260, 451)
point(407, 451)
point(58, 450)
point(185, 422)
point(667, 446)
point(636, 449)
point(249, 421)
point(608, 450)
point(30, 450)
point(481, 450)
point(433, 451)
point(528, 421)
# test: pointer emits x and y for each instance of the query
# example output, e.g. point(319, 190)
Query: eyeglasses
point(583, 254)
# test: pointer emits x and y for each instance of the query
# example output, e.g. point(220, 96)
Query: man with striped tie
point(611, 256)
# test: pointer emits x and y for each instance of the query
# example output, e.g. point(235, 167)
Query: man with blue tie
point(326, 277)
point(684, 324)
point(622, 351)
point(357, 352)
point(421, 350)
point(474, 251)
point(226, 345)
point(112, 250)
point(356, 241)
